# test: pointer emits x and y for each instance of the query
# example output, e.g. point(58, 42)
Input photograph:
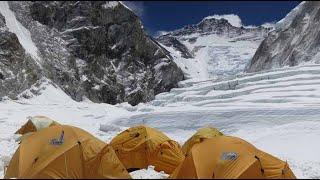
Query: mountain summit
point(218, 46)
point(294, 41)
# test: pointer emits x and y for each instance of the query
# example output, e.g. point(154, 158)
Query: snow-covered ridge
point(124, 5)
point(269, 25)
point(212, 53)
point(22, 33)
point(285, 22)
point(236, 21)
point(293, 42)
point(233, 19)
point(111, 4)
point(217, 46)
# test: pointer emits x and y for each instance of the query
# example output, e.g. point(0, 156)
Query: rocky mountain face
point(97, 50)
point(295, 40)
point(214, 47)
point(17, 69)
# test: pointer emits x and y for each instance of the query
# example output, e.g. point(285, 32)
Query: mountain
point(17, 69)
point(218, 46)
point(294, 41)
point(96, 50)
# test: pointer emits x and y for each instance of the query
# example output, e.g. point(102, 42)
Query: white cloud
point(136, 6)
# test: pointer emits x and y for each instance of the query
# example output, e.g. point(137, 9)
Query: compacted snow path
point(277, 111)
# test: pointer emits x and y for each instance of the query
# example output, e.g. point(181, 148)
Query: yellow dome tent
point(199, 136)
point(63, 151)
point(140, 146)
point(36, 123)
point(226, 157)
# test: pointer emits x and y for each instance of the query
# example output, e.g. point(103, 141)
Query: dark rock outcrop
point(17, 69)
point(294, 41)
point(98, 50)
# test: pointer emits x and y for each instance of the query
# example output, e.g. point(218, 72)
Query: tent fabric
point(63, 151)
point(35, 124)
point(273, 165)
point(106, 165)
point(226, 157)
point(140, 146)
point(200, 135)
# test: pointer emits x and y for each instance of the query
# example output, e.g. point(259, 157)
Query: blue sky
point(159, 16)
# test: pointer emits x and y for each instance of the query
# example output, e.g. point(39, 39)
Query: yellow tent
point(199, 136)
point(35, 124)
point(226, 157)
point(140, 146)
point(63, 151)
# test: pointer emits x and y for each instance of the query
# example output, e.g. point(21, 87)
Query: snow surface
point(122, 3)
point(148, 173)
point(269, 25)
point(277, 111)
point(225, 57)
point(22, 33)
point(215, 55)
point(286, 21)
point(111, 4)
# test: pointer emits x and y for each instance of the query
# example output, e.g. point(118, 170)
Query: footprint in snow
point(88, 115)
point(99, 117)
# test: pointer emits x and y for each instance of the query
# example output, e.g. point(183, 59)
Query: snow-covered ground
point(148, 173)
point(277, 111)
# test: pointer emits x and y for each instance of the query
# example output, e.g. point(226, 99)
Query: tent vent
point(36, 159)
point(262, 170)
point(137, 135)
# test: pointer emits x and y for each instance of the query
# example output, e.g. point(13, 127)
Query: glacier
point(278, 111)
point(217, 46)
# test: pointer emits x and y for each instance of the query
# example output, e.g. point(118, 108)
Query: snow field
point(215, 56)
point(277, 112)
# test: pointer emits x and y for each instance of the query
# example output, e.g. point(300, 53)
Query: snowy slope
point(22, 33)
point(233, 19)
point(286, 21)
point(278, 111)
point(54, 103)
point(218, 56)
point(218, 46)
point(295, 40)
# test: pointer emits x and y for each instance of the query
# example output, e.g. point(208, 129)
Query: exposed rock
point(168, 40)
point(294, 41)
point(17, 70)
point(98, 50)
point(213, 48)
